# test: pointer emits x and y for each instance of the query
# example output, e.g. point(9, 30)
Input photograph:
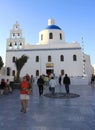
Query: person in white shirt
point(52, 84)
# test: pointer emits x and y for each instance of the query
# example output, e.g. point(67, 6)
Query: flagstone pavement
point(46, 113)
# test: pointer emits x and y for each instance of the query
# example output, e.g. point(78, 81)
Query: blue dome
point(53, 27)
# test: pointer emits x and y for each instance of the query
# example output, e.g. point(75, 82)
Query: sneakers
point(23, 110)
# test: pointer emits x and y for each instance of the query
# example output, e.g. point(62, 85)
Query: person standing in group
point(28, 77)
point(66, 82)
point(52, 84)
point(92, 79)
point(2, 87)
point(31, 81)
point(40, 83)
point(24, 96)
point(59, 80)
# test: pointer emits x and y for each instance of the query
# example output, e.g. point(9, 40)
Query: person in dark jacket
point(66, 82)
point(2, 86)
point(92, 79)
point(40, 83)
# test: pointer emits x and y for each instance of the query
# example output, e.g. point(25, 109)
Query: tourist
point(24, 96)
point(2, 86)
point(46, 79)
point(31, 81)
point(27, 77)
point(66, 82)
point(59, 80)
point(8, 86)
point(40, 83)
point(92, 79)
point(52, 84)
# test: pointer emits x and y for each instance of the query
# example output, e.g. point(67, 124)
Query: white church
point(52, 54)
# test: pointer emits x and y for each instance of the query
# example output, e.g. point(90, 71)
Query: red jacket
point(24, 87)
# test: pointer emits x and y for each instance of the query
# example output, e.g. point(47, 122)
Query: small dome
point(53, 27)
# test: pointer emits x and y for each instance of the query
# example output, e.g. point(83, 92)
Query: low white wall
point(79, 80)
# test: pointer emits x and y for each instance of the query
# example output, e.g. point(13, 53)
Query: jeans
point(67, 88)
point(52, 90)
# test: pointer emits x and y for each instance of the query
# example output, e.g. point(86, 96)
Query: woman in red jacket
point(24, 96)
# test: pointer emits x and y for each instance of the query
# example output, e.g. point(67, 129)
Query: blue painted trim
point(53, 27)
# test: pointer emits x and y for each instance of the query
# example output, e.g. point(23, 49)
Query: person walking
point(66, 82)
point(24, 95)
point(92, 79)
point(40, 83)
point(52, 84)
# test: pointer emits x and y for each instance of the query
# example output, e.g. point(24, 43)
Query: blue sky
point(75, 17)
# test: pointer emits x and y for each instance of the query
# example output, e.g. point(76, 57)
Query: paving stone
point(50, 113)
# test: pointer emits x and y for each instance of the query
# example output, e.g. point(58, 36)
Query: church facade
point(52, 54)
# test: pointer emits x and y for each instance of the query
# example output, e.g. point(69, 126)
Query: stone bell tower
point(16, 40)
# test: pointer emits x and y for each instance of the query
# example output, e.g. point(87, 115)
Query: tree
point(19, 63)
point(1, 62)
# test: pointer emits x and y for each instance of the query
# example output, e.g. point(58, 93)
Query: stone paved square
point(50, 113)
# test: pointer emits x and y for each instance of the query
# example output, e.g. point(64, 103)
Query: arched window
point(37, 58)
point(18, 34)
point(16, 27)
point(61, 58)
point(8, 71)
point(49, 58)
point(10, 44)
point(20, 44)
point(14, 58)
point(15, 44)
point(74, 58)
point(60, 36)
point(50, 35)
point(41, 36)
point(37, 72)
point(13, 34)
point(13, 73)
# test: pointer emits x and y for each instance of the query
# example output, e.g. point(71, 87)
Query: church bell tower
point(16, 40)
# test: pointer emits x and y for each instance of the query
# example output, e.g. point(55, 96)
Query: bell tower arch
point(16, 39)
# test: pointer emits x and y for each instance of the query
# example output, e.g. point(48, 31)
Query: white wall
point(73, 68)
point(55, 39)
point(94, 67)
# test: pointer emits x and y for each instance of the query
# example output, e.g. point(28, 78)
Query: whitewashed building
point(52, 54)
